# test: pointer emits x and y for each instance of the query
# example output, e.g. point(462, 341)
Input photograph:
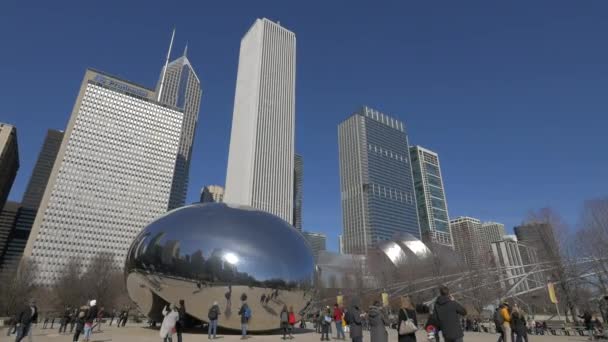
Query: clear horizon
point(511, 96)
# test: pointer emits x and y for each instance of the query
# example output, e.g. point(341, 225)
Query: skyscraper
point(491, 232)
point(261, 158)
point(298, 175)
point(181, 88)
point(376, 183)
point(8, 217)
point(212, 194)
point(113, 175)
point(430, 197)
point(540, 236)
point(317, 242)
point(465, 232)
point(32, 197)
point(9, 160)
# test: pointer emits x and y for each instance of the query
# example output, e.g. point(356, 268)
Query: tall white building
point(261, 158)
point(112, 177)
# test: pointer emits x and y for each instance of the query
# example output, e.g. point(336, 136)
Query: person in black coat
point(406, 312)
point(24, 320)
point(518, 320)
point(447, 313)
point(181, 323)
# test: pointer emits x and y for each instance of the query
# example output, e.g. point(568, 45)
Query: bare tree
point(592, 242)
point(17, 287)
point(69, 290)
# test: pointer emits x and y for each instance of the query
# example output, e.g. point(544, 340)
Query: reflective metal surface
point(216, 252)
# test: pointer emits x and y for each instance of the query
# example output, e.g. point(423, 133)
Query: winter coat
point(337, 315)
point(214, 313)
point(377, 325)
point(244, 319)
point(28, 315)
point(354, 322)
point(91, 315)
point(169, 322)
point(284, 319)
point(506, 315)
point(518, 323)
point(411, 314)
point(447, 314)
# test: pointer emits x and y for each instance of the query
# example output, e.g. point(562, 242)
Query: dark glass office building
point(377, 190)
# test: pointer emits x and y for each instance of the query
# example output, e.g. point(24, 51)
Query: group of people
point(511, 323)
point(173, 322)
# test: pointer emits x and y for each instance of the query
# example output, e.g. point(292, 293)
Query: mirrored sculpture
point(205, 253)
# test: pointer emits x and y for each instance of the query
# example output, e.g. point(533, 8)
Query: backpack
point(498, 320)
point(247, 312)
point(213, 313)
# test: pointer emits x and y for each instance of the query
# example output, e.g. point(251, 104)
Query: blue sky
point(512, 95)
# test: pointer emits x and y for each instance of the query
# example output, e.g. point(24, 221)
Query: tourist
point(181, 323)
point(355, 324)
point(518, 319)
point(89, 319)
point(498, 321)
point(245, 313)
point(99, 319)
point(447, 313)
point(213, 315)
point(24, 320)
point(73, 318)
point(79, 320)
point(338, 314)
point(65, 320)
point(586, 317)
point(377, 323)
point(112, 316)
point(505, 314)
point(407, 312)
point(325, 323)
point(284, 323)
point(292, 321)
point(168, 327)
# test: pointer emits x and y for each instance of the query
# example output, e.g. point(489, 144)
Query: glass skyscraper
point(430, 196)
point(377, 189)
point(181, 89)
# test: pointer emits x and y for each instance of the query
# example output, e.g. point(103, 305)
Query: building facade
point(32, 197)
point(430, 197)
point(298, 174)
point(113, 175)
point(181, 89)
point(465, 232)
point(9, 160)
point(540, 236)
point(8, 217)
point(376, 184)
point(261, 159)
point(317, 242)
point(515, 259)
point(491, 232)
point(212, 194)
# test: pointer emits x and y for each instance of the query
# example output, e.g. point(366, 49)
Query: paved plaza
point(141, 334)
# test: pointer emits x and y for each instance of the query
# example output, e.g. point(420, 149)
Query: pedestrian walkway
point(140, 334)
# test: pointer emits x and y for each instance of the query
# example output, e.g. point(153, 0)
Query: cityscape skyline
point(312, 213)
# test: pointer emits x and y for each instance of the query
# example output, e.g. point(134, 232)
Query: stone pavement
point(137, 333)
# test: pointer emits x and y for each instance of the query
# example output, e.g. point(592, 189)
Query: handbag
point(407, 327)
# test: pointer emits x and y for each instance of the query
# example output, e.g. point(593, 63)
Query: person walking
point(377, 323)
point(325, 323)
point(89, 319)
point(181, 323)
point(505, 314)
point(112, 316)
point(291, 321)
point(519, 325)
point(99, 319)
point(65, 320)
point(284, 321)
point(355, 323)
point(407, 312)
point(168, 327)
point(79, 321)
point(337, 316)
point(213, 315)
point(24, 320)
point(587, 320)
point(73, 317)
point(498, 321)
point(447, 313)
point(245, 313)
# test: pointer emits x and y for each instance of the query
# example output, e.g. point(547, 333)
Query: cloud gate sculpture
point(203, 253)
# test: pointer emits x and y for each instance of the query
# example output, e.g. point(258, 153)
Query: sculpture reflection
point(214, 252)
